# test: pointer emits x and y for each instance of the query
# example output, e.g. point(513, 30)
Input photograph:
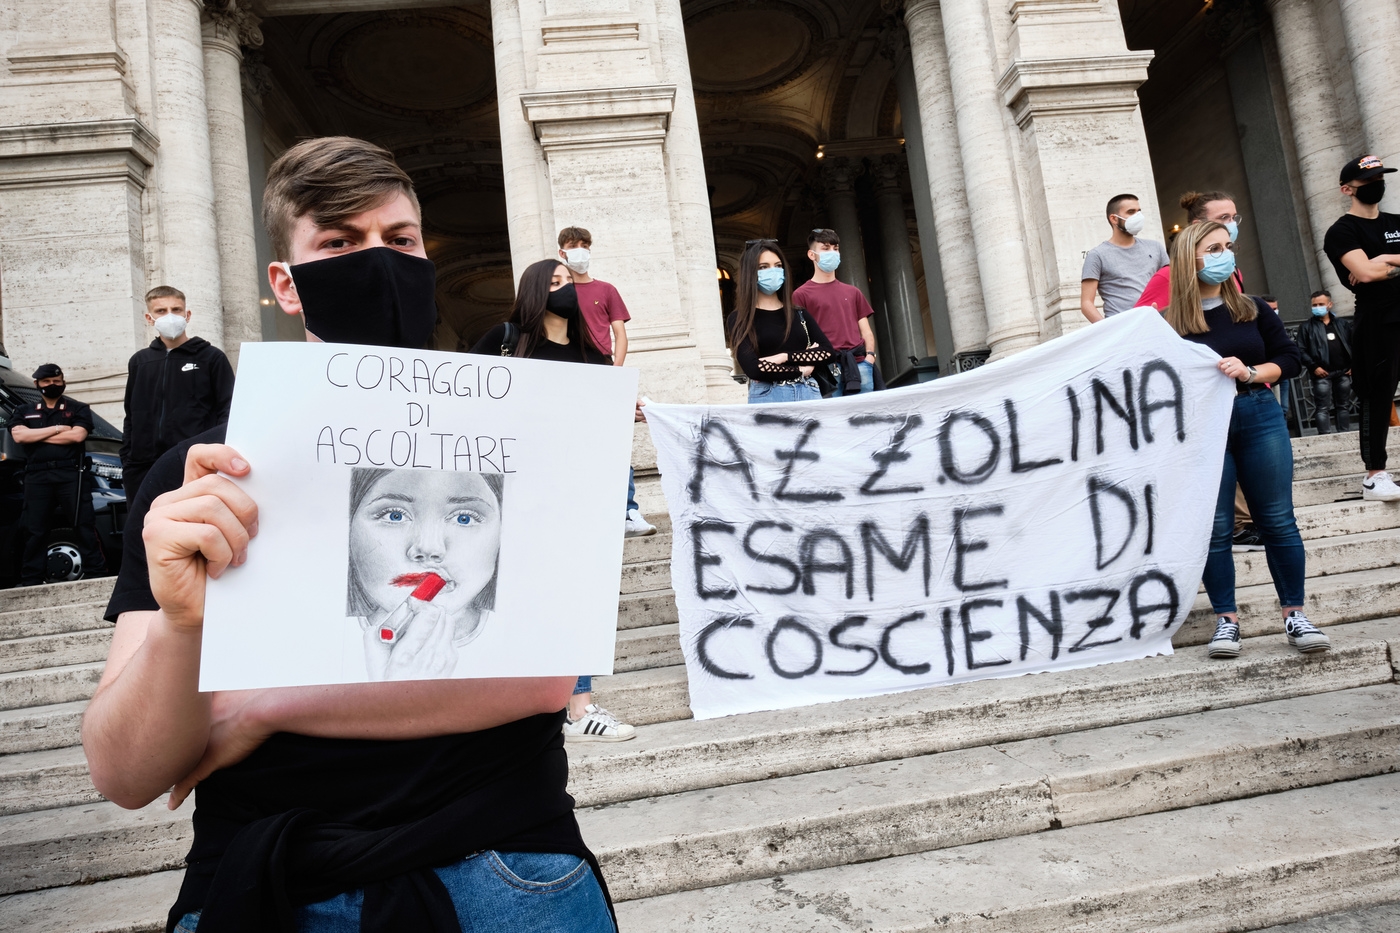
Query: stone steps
point(702, 763)
point(674, 757)
point(50, 595)
point(661, 694)
point(741, 832)
point(122, 905)
point(45, 780)
point(36, 728)
point(52, 620)
point(1236, 865)
point(79, 845)
point(58, 650)
point(20, 689)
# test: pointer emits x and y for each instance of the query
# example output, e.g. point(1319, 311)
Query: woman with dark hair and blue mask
point(774, 344)
point(1206, 307)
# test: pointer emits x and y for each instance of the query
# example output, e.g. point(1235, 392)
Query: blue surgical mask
point(1319, 310)
point(1218, 267)
point(1233, 229)
point(828, 260)
point(770, 280)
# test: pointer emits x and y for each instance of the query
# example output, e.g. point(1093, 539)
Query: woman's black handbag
point(827, 374)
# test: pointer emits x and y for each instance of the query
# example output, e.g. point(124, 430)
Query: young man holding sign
point(378, 807)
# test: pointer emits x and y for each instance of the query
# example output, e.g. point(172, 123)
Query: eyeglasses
point(822, 230)
point(760, 240)
point(1228, 218)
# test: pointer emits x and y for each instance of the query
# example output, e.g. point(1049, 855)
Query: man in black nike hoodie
point(176, 388)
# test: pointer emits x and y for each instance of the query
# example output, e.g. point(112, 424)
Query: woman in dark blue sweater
point(1207, 307)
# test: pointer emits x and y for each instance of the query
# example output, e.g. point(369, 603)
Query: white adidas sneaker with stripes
point(597, 725)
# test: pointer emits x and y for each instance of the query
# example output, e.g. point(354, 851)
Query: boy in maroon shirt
point(840, 310)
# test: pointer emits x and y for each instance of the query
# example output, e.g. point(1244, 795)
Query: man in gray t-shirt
point(1119, 267)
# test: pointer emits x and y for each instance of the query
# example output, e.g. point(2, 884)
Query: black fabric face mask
point(53, 391)
point(563, 302)
point(377, 296)
point(1372, 193)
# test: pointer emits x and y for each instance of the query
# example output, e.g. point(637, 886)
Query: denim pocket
point(538, 871)
point(188, 923)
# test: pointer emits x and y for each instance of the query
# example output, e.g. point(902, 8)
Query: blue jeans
point(1259, 456)
point(867, 380)
point(584, 685)
point(805, 391)
point(493, 892)
point(631, 489)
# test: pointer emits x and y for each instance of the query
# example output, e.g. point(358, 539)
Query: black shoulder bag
point(827, 374)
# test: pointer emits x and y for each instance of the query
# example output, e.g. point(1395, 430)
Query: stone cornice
point(599, 117)
point(1098, 84)
point(79, 136)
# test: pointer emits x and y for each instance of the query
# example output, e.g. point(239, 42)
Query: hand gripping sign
point(1044, 512)
point(422, 515)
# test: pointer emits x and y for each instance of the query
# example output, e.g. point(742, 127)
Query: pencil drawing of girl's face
point(413, 522)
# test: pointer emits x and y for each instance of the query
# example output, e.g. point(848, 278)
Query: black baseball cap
point(47, 371)
point(1363, 168)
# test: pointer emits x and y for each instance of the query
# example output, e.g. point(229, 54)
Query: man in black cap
point(52, 431)
point(1364, 246)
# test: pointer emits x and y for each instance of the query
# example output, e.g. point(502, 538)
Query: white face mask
point(170, 325)
point(1133, 225)
point(577, 260)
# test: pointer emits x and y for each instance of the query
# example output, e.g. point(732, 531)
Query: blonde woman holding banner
point(1207, 307)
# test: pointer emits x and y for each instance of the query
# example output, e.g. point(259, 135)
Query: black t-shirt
point(1262, 340)
point(1374, 238)
point(313, 802)
point(572, 352)
point(1338, 359)
point(771, 337)
point(44, 455)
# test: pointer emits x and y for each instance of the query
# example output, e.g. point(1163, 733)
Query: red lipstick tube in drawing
point(428, 587)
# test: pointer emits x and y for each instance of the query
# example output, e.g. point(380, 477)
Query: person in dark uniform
point(176, 388)
point(52, 432)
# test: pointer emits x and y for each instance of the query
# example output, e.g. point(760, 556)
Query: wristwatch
point(1253, 373)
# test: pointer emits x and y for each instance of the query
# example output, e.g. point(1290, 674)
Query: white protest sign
point(422, 515)
point(1047, 511)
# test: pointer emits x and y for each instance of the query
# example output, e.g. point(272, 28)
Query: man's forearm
point(148, 727)
point(1091, 312)
point(24, 435)
point(619, 345)
point(69, 436)
point(408, 710)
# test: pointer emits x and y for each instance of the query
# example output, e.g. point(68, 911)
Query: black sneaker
point(1247, 539)
point(1226, 643)
point(1303, 635)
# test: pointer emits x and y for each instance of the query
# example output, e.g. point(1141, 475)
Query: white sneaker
point(1381, 487)
point(638, 527)
point(1303, 635)
point(597, 725)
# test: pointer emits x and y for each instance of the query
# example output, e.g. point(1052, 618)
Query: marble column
point(838, 176)
point(1317, 132)
point(227, 27)
point(906, 322)
point(998, 232)
point(1373, 45)
point(529, 213)
point(185, 197)
point(952, 218)
point(923, 210)
point(690, 208)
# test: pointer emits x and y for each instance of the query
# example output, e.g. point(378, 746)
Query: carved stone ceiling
point(775, 79)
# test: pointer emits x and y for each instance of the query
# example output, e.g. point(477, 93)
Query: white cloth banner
point(422, 515)
point(1047, 511)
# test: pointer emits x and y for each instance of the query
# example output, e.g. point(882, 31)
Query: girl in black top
point(548, 326)
point(775, 344)
point(1207, 307)
point(547, 320)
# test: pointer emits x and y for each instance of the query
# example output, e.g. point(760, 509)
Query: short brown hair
point(164, 291)
point(575, 235)
point(330, 178)
point(823, 235)
point(1194, 202)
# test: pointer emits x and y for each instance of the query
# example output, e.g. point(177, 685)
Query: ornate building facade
point(963, 149)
